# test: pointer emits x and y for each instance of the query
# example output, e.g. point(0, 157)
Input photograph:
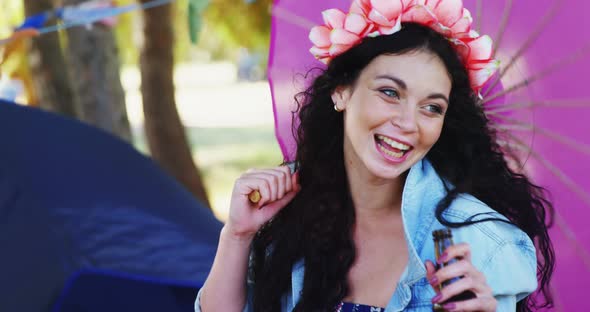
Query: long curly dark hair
point(317, 225)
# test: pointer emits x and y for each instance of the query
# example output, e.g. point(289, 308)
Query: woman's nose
point(406, 118)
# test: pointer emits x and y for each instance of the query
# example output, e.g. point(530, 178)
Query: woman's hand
point(277, 187)
point(472, 280)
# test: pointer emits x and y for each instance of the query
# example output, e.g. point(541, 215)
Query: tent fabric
point(95, 291)
point(73, 197)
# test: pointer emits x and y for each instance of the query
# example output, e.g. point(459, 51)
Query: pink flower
point(477, 58)
point(480, 48)
point(362, 7)
point(448, 17)
point(385, 14)
point(481, 72)
point(340, 33)
point(384, 17)
point(463, 24)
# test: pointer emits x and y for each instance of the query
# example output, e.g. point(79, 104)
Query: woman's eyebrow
point(400, 82)
point(438, 96)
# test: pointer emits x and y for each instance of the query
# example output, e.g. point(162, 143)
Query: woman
point(391, 146)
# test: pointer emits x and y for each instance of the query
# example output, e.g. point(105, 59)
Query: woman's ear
point(340, 97)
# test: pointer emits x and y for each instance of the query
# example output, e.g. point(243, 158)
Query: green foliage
point(11, 15)
point(195, 18)
point(182, 44)
point(127, 31)
point(239, 23)
point(225, 26)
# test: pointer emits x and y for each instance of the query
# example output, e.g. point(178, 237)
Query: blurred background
point(183, 82)
point(123, 126)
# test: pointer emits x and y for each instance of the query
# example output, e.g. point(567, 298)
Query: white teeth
point(390, 153)
point(393, 143)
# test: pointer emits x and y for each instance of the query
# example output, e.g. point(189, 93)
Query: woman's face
point(394, 113)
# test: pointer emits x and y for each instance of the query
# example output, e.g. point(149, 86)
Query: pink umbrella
point(541, 106)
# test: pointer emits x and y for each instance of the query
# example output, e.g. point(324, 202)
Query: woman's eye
point(390, 93)
point(433, 108)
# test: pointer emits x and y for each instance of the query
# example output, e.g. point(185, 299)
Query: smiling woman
point(391, 147)
point(394, 113)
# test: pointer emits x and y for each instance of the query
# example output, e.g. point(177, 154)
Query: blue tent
point(89, 224)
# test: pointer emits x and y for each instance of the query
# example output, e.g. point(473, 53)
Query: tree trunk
point(50, 75)
point(94, 65)
point(164, 130)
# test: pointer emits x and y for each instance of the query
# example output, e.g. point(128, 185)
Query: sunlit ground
point(229, 123)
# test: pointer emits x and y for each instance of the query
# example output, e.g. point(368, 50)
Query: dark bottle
point(442, 240)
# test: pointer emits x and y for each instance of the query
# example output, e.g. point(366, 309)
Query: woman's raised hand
point(472, 280)
point(277, 187)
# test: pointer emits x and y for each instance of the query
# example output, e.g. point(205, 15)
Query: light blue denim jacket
point(502, 252)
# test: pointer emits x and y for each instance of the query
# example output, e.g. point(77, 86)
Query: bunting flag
point(95, 10)
point(86, 13)
point(36, 21)
point(83, 14)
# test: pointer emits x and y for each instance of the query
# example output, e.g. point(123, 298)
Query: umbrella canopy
point(541, 105)
point(74, 198)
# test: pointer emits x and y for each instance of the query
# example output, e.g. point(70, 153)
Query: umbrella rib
point(526, 45)
point(512, 145)
point(502, 28)
point(561, 224)
point(546, 71)
point(569, 103)
point(520, 147)
point(557, 304)
point(581, 147)
point(523, 126)
point(478, 10)
point(578, 191)
point(571, 237)
point(558, 173)
point(291, 18)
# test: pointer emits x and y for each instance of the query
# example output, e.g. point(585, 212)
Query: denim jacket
point(502, 252)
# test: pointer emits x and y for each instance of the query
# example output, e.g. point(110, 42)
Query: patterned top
point(354, 307)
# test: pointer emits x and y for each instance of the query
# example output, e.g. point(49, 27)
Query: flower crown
point(371, 18)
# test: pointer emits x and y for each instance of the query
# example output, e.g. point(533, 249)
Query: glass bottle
point(442, 240)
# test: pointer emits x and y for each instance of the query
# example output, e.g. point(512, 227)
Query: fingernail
point(436, 298)
point(443, 258)
point(449, 306)
point(434, 281)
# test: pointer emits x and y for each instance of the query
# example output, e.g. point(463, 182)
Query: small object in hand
point(442, 240)
point(254, 197)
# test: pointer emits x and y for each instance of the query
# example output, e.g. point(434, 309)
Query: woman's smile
point(391, 149)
